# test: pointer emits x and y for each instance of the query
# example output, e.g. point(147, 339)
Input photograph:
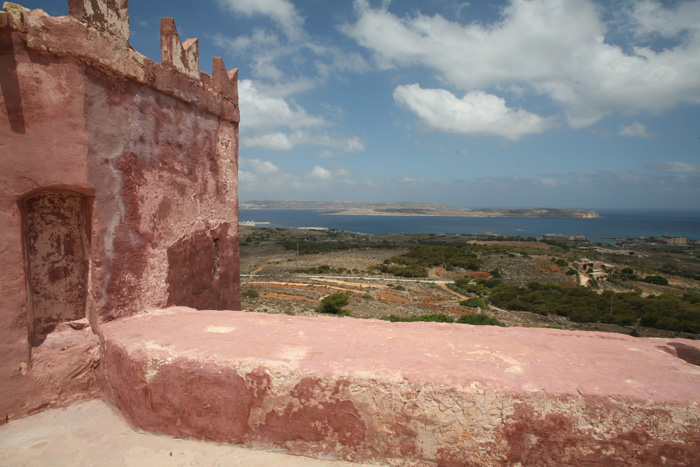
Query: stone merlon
point(184, 57)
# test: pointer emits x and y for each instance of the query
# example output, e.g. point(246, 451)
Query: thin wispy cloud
point(636, 130)
point(282, 12)
point(676, 167)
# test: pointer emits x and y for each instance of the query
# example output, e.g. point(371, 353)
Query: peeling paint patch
point(56, 244)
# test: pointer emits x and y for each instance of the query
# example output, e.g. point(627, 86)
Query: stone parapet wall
point(407, 394)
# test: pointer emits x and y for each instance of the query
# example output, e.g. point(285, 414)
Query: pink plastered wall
point(131, 162)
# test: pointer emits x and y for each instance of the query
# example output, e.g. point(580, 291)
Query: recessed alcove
point(56, 240)
point(202, 271)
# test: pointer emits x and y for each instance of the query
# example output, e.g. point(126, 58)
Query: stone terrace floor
point(93, 434)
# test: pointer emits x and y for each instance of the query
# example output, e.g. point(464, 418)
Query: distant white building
point(674, 240)
point(597, 274)
point(582, 264)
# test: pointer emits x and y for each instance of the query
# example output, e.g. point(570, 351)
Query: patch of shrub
point(479, 320)
point(323, 269)
point(401, 271)
point(475, 303)
point(250, 293)
point(658, 280)
point(481, 287)
point(334, 304)
point(435, 318)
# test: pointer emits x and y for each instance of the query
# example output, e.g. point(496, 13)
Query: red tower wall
point(115, 172)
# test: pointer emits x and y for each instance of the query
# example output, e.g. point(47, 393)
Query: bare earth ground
point(282, 290)
point(285, 283)
point(92, 434)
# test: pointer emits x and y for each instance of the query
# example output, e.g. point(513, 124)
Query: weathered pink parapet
point(118, 191)
point(407, 394)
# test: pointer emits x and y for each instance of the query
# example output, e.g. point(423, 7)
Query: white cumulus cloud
point(264, 111)
point(279, 124)
point(321, 173)
point(556, 48)
point(258, 166)
point(475, 114)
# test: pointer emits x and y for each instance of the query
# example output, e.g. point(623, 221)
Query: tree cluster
point(480, 287)
point(475, 302)
point(580, 304)
point(627, 274)
point(418, 259)
point(325, 269)
point(334, 304)
point(313, 247)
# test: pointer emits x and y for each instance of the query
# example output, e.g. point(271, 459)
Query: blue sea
point(612, 224)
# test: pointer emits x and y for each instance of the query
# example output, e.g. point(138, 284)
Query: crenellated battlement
point(110, 16)
point(97, 31)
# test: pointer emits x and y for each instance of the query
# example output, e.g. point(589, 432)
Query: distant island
point(359, 208)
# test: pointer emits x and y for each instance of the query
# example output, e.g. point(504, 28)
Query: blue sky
point(522, 103)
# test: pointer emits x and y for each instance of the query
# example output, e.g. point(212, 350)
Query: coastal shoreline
point(356, 208)
point(481, 213)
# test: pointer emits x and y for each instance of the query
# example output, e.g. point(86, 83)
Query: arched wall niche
point(56, 238)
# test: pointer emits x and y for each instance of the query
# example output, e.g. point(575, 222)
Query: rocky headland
point(359, 208)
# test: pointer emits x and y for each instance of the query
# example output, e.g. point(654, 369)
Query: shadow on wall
point(201, 270)
point(9, 82)
point(56, 240)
